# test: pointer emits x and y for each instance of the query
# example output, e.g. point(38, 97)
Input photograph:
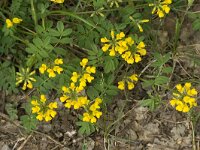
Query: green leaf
point(148, 103)
point(161, 80)
point(147, 83)
point(86, 128)
point(12, 112)
point(53, 32)
point(65, 40)
point(29, 122)
point(167, 70)
point(161, 60)
point(109, 65)
point(110, 79)
point(27, 107)
point(67, 32)
point(92, 92)
point(112, 90)
point(60, 26)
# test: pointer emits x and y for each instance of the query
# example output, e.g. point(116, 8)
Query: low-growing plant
point(85, 53)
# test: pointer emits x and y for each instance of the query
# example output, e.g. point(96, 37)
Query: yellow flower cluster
point(125, 47)
point(184, 98)
point(25, 76)
point(78, 82)
point(72, 96)
point(43, 110)
point(10, 23)
point(161, 7)
point(130, 80)
point(93, 114)
point(51, 70)
point(58, 1)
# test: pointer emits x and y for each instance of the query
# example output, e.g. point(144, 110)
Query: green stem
point(19, 39)
point(43, 23)
point(33, 13)
point(71, 14)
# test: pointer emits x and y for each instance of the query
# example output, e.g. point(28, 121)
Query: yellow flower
point(97, 114)
point(9, 23)
point(120, 36)
point(47, 118)
point(57, 69)
point(65, 89)
point(105, 47)
point(92, 114)
point(166, 8)
point(179, 106)
point(64, 98)
point(51, 73)
point(98, 100)
point(39, 117)
point(43, 110)
point(82, 84)
point(137, 58)
point(161, 8)
point(187, 86)
point(74, 77)
point(129, 41)
point(91, 69)
point(112, 52)
point(167, 2)
point(83, 100)
point(86, 117)
point(43, 68)
point(184, 99)
point(114, 44)
point(130, 85)
point(173, 102)
point(140, 27)
point(93, 119)
point(53, 113)
point(192, 92)
point(160, 13)
point(104, 40)
point(24, 86)
point(35, 109)
point(34, 102)
point(88, 77)
point(58, 1)
point(121, 85)
point(68, 103)
point(58, 61)
point(185, 108)
point(16, 20)
point(29, 85)
point(72, 86)
point(180, 88)
point(77, 105)
point(134, 77)
point(43, 98)
point(24, 75)
point(84, 62)
point(53, 105)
